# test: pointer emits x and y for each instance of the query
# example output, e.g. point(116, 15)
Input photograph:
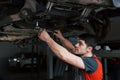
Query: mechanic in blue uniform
point(81, 55)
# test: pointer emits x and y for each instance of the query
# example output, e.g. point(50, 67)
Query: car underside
point(22, 19)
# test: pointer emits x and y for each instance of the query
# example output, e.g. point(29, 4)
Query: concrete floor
point(27, 76)
point(42, 75)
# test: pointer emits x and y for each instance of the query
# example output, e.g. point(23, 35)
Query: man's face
point(81, 47)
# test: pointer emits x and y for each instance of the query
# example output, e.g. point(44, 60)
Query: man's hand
point(58, 34)
point(43, 35)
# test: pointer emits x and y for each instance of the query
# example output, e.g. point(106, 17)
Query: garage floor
point(36, 76)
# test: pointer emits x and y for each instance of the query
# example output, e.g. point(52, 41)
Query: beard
point(80, 52)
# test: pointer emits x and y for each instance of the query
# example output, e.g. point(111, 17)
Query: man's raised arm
point(66, 43)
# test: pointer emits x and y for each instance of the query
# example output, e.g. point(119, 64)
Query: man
point(80, 55)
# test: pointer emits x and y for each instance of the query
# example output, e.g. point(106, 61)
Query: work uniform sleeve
point(90, 64)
